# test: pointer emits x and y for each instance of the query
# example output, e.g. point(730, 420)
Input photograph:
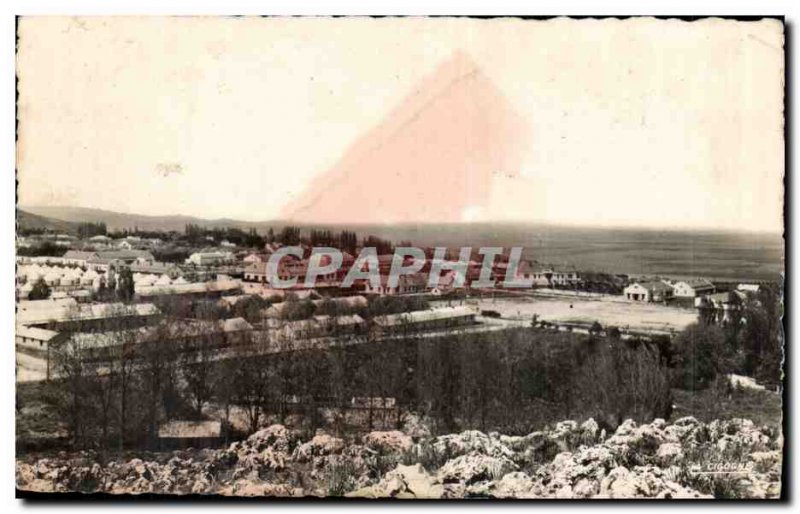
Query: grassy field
point(645, 317)
point(762, 407)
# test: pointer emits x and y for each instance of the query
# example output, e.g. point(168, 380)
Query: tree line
point(514, 381)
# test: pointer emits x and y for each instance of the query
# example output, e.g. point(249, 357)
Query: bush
point(619, 380)
point(698, 352)
point(40, 291)
point(516, 380)
point(341, 478)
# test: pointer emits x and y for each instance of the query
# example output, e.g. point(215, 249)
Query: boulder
point(257, 488)
point(470, 441)
point(475, 467)
point(644, 482)
point(388, 442)
point(277, 437)
point(513, 485)
point(669, 453)
point(319, 445)
point(403, 482)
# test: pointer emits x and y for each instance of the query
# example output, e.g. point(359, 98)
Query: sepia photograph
point(400, 258)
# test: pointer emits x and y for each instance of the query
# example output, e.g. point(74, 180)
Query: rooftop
point(424, 316)
point(697, 283)
point(38, 334)
point(192, 288)
point(79, 312)
point(654, 286)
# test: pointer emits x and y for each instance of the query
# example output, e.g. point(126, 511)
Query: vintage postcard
point(400, 258)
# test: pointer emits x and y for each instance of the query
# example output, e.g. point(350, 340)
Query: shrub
point(697, 356)
point(341, 478)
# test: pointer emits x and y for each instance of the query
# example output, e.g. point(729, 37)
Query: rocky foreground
point(684, 459)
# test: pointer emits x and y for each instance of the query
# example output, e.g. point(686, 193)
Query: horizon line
point(283, 221)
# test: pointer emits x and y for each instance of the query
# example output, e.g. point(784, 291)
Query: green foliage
point(172, 254)
point(382, 246)
point(341, 478)
point(514, 380)
point(88, 229)
point(750, 344)
point(762, 337)
point(382, 305)
point(425, 455)
point(289, 235)
point(696, 359)
point(250, 308)
point(199, 235)
point(125, 286)
point(40, 290)
point(297, 309)
point(43, 249)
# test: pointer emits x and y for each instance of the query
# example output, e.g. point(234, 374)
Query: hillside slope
point(29, 221)
point(119, 220)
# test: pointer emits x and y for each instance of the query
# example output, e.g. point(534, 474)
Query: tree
point(158, 362)
point(125, 286)
point(103, 384)
point(197, 366)
point(762, 337)
point(223, 387)
point(87, 230)
point(295, 309)
point(250, 308)
point(283, 373)
point(697, 356)
point(40, 291)
point(251, 389)
point(289, 235)
point(44, 249)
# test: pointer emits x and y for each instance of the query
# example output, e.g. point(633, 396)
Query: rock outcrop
point(683, 459)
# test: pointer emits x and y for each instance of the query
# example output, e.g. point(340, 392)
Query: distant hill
point(28, 221)
point(677, 253)
point(118, 220)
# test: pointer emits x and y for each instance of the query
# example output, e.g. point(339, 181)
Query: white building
point(256, 258)
point(692, 288)
point(78, 257)
point(100, 240)
point(406, 284)
point(649, 291)
point(210, 258)
point(748, 288)
point(441, 317)
point(720, 307)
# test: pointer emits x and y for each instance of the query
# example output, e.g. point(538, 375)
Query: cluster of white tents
point(57, 275)
point(75, 277)
point(147, 280)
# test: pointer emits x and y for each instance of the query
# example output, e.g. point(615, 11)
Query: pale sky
point(633, 123)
